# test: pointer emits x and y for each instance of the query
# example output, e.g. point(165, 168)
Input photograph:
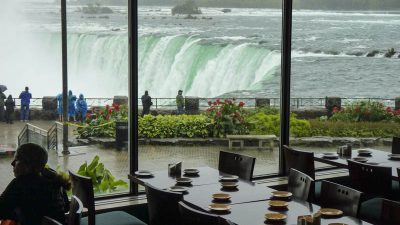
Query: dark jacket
point(2, 98)
point(146, 101)
point(10, 105)
point(30, 197)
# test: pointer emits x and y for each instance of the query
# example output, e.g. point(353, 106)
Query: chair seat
point(114, 218)
point(371, 209)
point(317, 192)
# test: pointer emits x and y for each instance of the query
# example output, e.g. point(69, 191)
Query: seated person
point(35, 191)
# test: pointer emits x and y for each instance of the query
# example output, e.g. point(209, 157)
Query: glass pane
point(219, 56)
point(97, 77)
point(343, 77)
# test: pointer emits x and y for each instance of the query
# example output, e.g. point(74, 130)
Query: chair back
point(299, 184)
point(396, 145)
point(163, 206)
point(370, 179)
point(390, 212)
point(82, 187)
point(191, 216)
point(75, 211)
point(236, 164)
point(299, 160)
point(49, 221)
point(340, 197)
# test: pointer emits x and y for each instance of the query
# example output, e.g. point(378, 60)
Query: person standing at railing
point(10, 105)
point(25, 97)
point(2, 98)
point(180, 102)
point(81, 108)
point(71, 106)
point(146, 103)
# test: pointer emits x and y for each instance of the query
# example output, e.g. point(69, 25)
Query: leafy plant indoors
point(103, 180)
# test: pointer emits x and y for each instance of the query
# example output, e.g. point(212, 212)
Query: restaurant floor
point(150, 157)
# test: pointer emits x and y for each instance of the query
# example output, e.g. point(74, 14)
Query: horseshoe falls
point(201, 68)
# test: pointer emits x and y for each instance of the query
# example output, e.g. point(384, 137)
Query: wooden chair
point(390, 214)
point(396, 145)
point(75, 211)
point(299, 160)
point(340, 197)
point(82, 187)
point(235, 164)
point(163, 206)
point(299, 184)
point(370, 179)
point(50, 221)
point(191, 216)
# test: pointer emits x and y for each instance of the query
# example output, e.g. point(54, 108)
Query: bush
point(226, 118)
point(362, 111)
point(102, 122)
point(172, 126)
point(354, 129)
point(262, 123)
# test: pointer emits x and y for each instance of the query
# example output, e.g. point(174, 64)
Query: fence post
point(263, 102)
point(331, 103)
point(120, 100)
point(397, 103)
point(191, 105)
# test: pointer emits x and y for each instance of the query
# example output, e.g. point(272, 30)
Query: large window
point(224, 51)
point(346, 56)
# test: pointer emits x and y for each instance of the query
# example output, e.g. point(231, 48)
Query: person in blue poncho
point(81, 108)
point(60, 107)
point(71, 105)
point(25, 97)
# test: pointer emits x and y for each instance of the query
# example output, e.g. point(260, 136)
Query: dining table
point(248, 201)
point(377, 157)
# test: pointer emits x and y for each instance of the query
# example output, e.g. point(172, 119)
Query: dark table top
point(377, 156)
point(162, 180)
point(201, 196)
point(254, 213)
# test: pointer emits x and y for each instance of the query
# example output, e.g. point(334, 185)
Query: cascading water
point(201, 68)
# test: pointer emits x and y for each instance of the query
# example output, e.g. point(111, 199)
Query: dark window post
point(65, 150)
point(133, 91)
point(285, 79)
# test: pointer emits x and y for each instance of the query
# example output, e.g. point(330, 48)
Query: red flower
point(116, 107)
point(209, 103)
point(218, 114)
point(218, 101)
point(88, 115)
point(389, 109)
point(241, 104)
point(335, 109)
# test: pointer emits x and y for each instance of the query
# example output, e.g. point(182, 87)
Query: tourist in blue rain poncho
point(60, 107)
point(81, 108)
point(71, 105)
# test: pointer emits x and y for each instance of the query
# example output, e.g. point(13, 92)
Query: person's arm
point(8, 201)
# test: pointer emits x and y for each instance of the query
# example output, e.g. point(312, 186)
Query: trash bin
point(121, 134)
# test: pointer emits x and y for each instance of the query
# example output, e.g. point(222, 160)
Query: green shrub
point(171, 126)
point(103, 180)
point(262, 123)
point(354, 129)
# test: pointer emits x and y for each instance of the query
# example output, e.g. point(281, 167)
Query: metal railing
point(161, 103)
point(33, 134)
